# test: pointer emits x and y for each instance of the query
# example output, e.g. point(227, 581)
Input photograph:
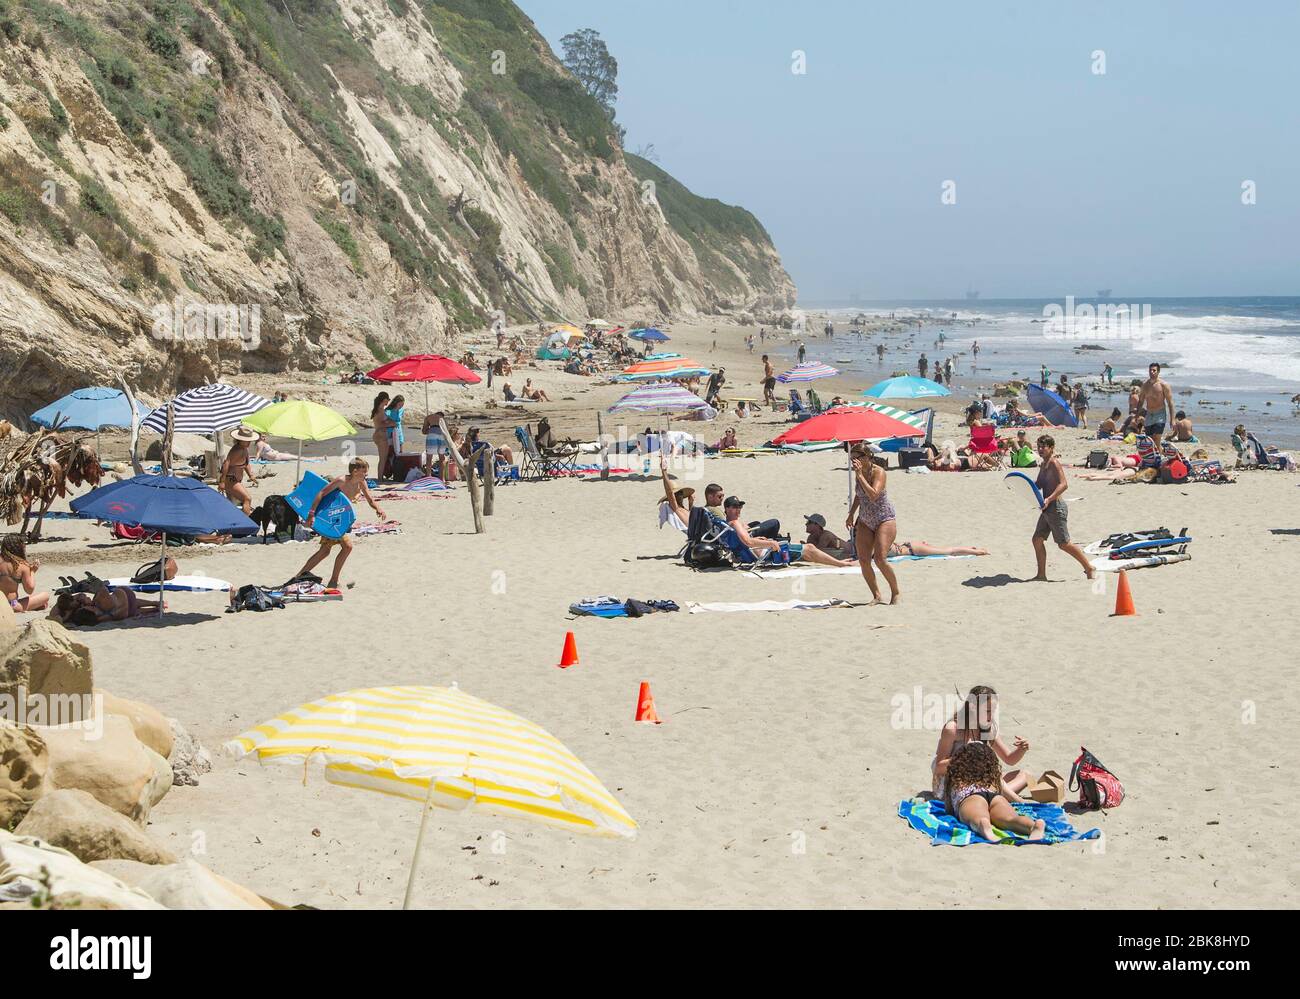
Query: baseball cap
point(815, 518)
point(733, 501)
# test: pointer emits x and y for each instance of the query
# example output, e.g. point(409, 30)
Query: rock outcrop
point(75, 821)
point(42, 658)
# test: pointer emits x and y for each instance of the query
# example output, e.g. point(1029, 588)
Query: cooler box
point(911, 457)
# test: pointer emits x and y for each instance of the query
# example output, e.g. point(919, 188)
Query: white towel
point(766, 605)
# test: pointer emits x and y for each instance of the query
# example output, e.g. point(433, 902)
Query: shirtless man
point(350, 485)
point(797, 553)
point(1053, 518)
point(1183, 428)
point(1157, 403)
point(769, 383)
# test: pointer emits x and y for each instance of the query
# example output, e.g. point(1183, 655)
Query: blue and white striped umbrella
point(663, 398)
point(809, 371)
point(206, 409)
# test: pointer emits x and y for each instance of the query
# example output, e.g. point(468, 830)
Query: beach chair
point(1147, 452)
point(739, 554)
point(538, 464)
point(815, 403)
point(798, 410)
point(983, 440)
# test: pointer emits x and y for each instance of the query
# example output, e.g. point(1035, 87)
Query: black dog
point(276, 512)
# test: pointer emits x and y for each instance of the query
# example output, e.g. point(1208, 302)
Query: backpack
point(1098, 787)
point(704, 555)
point(1023, 457)
point(150, 572)
point(254, 598)
point(1098, 459)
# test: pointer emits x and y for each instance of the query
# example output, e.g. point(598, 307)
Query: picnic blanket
point(932, 818)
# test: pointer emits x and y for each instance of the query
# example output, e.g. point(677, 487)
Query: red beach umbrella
point(848, 425)
point(425, 368)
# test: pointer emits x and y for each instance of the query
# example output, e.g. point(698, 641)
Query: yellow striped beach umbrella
point(444, 747)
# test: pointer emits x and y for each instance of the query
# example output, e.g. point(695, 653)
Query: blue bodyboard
point(1036, 494)
point(334, 516)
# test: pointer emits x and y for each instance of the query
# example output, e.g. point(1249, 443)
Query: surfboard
point(181, 584)
point(1141, 562)
point(1017, 481)
point(1101, 548)
point(334, 516)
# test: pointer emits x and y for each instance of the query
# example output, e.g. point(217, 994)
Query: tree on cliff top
point(587, 57)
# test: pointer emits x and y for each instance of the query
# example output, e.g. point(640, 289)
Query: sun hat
point(245, 434)
point(679, 493)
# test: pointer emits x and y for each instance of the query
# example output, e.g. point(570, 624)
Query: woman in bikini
point(382, 424)
point(978, 796)
point(17, 571)
point(976, 720)
point(873, 520)
point(923, 548)
point(235, 467)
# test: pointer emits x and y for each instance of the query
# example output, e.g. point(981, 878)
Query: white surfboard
point(181, 584)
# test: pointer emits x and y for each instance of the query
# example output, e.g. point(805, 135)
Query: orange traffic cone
point(570, 655)
point(1124, 598)
point(645, 705)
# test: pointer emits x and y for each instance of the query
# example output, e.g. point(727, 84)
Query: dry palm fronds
point(37, 470)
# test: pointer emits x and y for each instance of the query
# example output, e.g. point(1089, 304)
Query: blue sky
point(1066, 181)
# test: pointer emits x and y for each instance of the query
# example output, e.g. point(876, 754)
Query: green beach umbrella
point(301, 420)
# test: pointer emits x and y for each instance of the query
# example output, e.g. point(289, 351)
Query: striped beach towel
point(932, 818)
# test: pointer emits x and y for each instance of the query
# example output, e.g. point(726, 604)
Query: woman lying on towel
point(979, 796)
point(104, 604)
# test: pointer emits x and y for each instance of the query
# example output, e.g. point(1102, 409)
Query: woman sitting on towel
point(17, 571)
point(976, 720)
point(978, 796)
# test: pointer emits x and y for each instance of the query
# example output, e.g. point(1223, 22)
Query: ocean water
point(1229, 360)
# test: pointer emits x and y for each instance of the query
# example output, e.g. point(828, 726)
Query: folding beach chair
point(983, 440)
point(739, 554)
point(798, 410)
point(815, 403)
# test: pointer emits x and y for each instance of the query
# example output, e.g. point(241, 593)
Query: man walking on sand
point(350, 485)
point(769, 383)
point(1156, 403)
point(1053, 519)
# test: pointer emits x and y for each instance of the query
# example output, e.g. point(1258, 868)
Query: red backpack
point(1097, 786)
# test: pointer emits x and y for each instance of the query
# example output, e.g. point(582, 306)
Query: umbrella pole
point(419, 842)
point(298, 470)
point(162, 576)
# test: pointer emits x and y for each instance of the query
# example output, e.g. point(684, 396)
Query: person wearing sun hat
point(236, 466)
point(675, 504)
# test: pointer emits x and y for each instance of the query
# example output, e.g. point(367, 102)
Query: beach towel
point(613, 607)
point(932, 818)
point(766, 605)
point(376, 527)
point(848, 570)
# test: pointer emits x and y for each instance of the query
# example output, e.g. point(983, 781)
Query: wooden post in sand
point(135, 426)
point(466, 470)
point(604, 446)
point(489, 478)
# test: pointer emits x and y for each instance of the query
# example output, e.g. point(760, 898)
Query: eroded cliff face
point(191, 188)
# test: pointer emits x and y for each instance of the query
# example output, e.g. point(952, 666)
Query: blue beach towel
point(599, 607)
point(932, 818)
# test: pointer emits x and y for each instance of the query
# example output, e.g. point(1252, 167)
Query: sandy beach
point(776, 776)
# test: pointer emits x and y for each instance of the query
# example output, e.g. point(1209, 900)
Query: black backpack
point(704, 555)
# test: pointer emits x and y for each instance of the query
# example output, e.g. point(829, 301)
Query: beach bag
point(255, 598)
point(150, 572)
point(1097, 786)
point(1098, 459)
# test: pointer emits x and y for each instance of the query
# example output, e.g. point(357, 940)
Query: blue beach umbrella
point(90, 409)
point(649, 335)
point(906, 387)
point(1052, 406)
point(166, 504)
